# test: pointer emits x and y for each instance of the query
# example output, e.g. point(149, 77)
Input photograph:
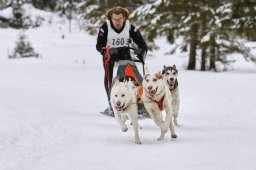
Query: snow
point(49, 111)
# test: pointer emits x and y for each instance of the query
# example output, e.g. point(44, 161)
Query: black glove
point(113, 52)
point(139, 51)
point(140, 54)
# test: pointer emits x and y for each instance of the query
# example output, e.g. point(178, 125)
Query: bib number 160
point(118, 41)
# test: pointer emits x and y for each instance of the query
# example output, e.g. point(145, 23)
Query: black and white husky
point(170, 74)
point(124, 103)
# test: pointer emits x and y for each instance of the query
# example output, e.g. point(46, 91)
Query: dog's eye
point(115, 95)
point(167, 74)
point(147, 80)
point(123, 95)
point(154, 80)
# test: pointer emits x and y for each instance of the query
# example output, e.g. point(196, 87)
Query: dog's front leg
point(135, 125)
point(169, 122)
point(161, 137)
point(121, 123)
point(163, 129)
point(176, 106)
point(153, 116)
point(157, 118)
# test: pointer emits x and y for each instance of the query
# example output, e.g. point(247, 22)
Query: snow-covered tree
point(23, 48)
point(203, 25)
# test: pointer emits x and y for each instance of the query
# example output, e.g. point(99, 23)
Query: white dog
point(170, 74)
point(157, 97)
point(124, 103)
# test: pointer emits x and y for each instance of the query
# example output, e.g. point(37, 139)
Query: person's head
point(117, 15)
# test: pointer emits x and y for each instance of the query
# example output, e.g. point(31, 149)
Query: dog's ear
point(117, 80)
point(159, 75)
point(164, 70)
point(131, 78)
point(121, 78)
point(174, 66)
point(145, 76)
point(136, 83)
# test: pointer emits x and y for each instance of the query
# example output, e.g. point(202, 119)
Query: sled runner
point(126, 68)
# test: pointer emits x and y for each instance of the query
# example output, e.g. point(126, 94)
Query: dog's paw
point(137, 141)
point(174, 136)
point(124, 129)
point(160, 138)
point(164, 128)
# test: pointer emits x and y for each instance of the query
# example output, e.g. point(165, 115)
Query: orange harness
point(159, 103)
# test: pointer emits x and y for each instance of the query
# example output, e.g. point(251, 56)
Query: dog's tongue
point(171, 83)
point(118, 108)
point(152, 92)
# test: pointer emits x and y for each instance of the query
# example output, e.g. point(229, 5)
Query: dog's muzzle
point(152, 92)
point(119, 108)
point(171, 83)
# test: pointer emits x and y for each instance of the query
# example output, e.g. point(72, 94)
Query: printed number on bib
point(118, 41)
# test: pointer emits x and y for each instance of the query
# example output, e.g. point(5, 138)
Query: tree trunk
point(203, 57)
point(106, 3)
point(203, 44)
point(212, 52)
point(193, 44)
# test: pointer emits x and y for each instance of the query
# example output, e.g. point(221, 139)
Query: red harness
point(160, 103)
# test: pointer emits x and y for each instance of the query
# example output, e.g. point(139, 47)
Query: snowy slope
point(49, 112)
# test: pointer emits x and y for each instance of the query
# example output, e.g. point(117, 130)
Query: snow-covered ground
point(49, 112)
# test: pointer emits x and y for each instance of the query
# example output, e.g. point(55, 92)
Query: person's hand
point(112, 52)
point(139, 51)
point(140, 54)
point(105, 55)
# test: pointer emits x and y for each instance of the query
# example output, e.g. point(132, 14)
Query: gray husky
point(170, 74)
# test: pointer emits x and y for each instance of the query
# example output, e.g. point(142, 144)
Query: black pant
point(108, 76)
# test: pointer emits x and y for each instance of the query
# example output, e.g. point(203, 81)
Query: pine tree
point(18, 13)
point(214, 31)
point(243, 15)
point(23, 48)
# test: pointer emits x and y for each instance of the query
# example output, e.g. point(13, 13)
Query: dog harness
point(160, 103)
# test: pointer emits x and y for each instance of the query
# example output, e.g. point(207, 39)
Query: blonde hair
point(117, 10)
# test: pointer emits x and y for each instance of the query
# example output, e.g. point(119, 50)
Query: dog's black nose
point(171, 79)
point(150, 87)
point(118, 103)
